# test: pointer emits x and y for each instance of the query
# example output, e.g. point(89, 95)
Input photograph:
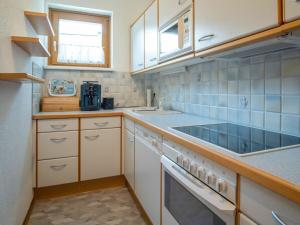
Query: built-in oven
point(188, 201)
point(176, 37)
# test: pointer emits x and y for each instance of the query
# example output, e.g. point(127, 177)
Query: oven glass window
point(185, 208)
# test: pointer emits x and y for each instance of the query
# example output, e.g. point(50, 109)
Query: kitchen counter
point(276, 170)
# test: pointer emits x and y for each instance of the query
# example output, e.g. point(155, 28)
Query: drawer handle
point(58, 127)
point(92, 138)
point(141, 64)
point(101, 124)
point(206, 37)
point(58, 140)
point(277, 219)
point(153, 59)
point(58, 168)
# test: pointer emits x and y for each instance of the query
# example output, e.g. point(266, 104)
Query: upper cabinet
point(168, 9)
point(138, 45)
point(217, 21)
point(151, 36)
point(291, 10)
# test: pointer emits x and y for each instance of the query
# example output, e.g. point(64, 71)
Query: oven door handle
point(199, 190)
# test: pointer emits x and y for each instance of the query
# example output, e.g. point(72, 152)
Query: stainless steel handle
point(58, 140)
point(153, 59)
point(57, 168)
point(206, 37)
point(101, 124)
point(92, 138)
point(277, 219)
point(141, 64)
point(58, 127)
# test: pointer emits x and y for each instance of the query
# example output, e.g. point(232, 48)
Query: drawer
point(57, 125)
point(129, 125)
point(100, 122)
point(57, 144)
point(57, 171)
point(263, 205)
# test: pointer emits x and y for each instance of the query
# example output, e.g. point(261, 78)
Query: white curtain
point(80, 42)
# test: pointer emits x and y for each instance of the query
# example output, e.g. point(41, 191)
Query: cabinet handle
point(206, 37)
point(58, 140)
point(58, 168)
point(131, 140)
point(101, 124)
point(92, 138)
point(153, 59)
point(180, 2)
point(141, 64)
point(58, 127)
point(277, 219)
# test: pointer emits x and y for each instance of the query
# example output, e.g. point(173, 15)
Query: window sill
point(78, 68)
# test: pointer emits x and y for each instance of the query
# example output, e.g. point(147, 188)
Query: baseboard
point(29, 211)
point(78, 187)
point(138, 204)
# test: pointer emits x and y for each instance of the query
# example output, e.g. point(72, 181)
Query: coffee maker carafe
point(90, 96)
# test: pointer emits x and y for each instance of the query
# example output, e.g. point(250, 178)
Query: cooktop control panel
point(219, 178)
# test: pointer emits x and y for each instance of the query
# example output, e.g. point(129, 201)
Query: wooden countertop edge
point(274, 183)
point(75, 115)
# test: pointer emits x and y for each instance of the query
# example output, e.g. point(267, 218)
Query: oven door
point(187, 201)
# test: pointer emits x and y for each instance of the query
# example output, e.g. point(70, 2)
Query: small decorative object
point(62, 87)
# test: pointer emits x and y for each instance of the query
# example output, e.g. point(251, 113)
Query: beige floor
point(106, 207)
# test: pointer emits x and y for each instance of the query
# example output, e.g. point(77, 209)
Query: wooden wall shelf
point(40, 22)
point(20, 78)
point(31, 45)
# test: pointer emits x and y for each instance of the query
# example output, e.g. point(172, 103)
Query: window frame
point(105, 20)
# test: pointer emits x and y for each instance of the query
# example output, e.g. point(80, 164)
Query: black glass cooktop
point(239, 139)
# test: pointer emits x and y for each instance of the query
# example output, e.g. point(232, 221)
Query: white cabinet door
point(168, 9)
point(218, 21)
point(265, 206)
point(291, 10)
point(147, 179)
point(138, 45)
point(100, 153)
point(129, 157)
point(151, 36)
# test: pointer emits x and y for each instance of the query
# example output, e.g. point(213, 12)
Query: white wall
point(16, 172)
point(124, 14)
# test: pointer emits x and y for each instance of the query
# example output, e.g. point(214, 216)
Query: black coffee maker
point(90, 96)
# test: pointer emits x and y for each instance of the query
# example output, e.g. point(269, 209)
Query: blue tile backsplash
point(262, 92)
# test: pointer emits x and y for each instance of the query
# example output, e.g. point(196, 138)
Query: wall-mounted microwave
point(176, 37)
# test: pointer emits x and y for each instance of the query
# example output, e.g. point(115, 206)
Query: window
point(80, 39)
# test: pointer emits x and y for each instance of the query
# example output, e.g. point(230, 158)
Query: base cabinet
point(129, 157)
point(266, 207)
point(100, 153)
